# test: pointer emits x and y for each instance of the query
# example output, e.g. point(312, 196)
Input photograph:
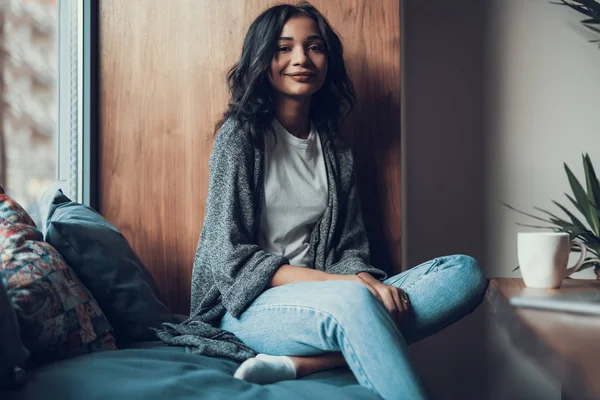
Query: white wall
point(543, 104)
point(497, 95)
point(543, 110)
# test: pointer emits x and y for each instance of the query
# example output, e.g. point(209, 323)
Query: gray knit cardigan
point(231, 270)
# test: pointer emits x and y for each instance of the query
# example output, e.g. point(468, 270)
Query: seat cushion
point(170, 373)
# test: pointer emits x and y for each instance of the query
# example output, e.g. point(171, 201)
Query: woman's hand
point(394, 299)
point(357, 279)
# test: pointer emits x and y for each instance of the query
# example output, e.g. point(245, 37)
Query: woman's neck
point(292, 114)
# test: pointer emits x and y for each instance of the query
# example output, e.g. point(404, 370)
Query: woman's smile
point(302, 77)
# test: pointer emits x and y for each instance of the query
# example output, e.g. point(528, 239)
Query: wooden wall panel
point(163, 67)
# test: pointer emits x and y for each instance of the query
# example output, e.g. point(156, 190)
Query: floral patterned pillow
point(57, 314)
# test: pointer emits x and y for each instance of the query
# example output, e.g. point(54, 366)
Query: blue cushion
point(107, 265)
point(171, 373)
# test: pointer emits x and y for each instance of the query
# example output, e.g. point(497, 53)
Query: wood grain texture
point(564, 344)
point(163, 68)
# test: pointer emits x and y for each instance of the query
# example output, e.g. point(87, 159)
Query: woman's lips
point(302, 77)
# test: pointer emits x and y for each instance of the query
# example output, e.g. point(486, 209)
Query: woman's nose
point(299, 57)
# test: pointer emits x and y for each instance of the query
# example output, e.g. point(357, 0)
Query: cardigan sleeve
point(240, 268)
point(353, 244)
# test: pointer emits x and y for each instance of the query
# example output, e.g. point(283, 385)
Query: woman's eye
point(283, 49)
point(316, 48)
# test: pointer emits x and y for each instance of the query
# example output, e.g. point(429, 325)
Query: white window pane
point(28, 117)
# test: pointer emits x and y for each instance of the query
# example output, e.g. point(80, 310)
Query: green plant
point(590, 8)
point(587, 203)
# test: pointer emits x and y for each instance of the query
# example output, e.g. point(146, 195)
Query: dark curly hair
point(251, 103)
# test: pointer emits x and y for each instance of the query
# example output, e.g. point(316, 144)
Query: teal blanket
point(170, 373)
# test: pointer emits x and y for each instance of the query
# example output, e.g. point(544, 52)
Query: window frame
point(78, 106)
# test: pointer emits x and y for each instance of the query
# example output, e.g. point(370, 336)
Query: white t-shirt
point(295, 193)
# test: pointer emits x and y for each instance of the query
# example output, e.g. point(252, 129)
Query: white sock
point(264, 369)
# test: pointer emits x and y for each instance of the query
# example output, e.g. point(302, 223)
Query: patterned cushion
point(14, 354)
point(58, 316)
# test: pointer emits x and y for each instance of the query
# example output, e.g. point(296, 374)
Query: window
point(28, 114)
point(41, 113)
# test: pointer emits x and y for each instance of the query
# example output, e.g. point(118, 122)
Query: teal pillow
point(14, 354)
point(107, 265)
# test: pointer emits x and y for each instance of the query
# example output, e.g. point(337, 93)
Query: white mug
point(543, 258)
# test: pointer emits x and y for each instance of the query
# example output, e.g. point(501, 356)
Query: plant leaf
point(554, 218)
point(588, 264)
point(580, 196)
point(592, 189)
point(564, 225)
point(592, 239)
point(537, 226)
point(587, 7)
point(575, 204)
point(573, 235)
point(581, 9)
point(591, 5)
point(592, 182)
point(593, 28)
point(524, 213)
point(573, 217)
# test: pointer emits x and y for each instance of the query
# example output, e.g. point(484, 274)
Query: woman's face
point(299, 66)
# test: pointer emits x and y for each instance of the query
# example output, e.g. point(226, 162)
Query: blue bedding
point(159, 372)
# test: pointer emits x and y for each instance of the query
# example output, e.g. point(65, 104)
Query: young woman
point(282, 267)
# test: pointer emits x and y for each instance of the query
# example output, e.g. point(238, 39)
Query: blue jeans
point(310, 318)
